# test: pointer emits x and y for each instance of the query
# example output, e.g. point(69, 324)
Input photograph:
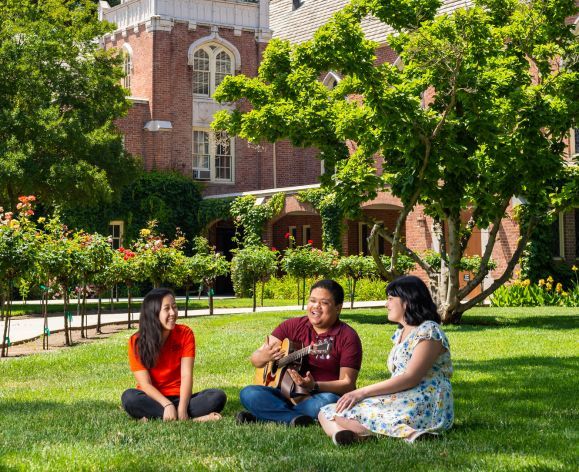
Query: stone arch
point(214, 38)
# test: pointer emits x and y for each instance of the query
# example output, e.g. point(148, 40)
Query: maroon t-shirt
point(346, 350)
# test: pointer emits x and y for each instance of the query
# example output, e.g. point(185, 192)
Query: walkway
point(27, 328)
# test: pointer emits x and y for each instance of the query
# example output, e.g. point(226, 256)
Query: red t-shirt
point(346, 350)
point(166, 375)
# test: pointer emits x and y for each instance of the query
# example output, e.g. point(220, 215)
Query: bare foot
point(209, 417)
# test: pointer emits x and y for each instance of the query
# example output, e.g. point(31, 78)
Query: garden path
point(30, 327)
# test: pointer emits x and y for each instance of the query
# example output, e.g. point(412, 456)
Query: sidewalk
point(26, 329)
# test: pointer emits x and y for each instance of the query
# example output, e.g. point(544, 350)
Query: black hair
point(150, 334)
point(417, 299)
point(333, 287)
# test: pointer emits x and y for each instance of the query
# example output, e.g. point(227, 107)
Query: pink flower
point(287, 235)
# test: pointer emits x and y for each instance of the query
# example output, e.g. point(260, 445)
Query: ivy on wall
point(331, 214)
point(171, 199)
point(250, 219)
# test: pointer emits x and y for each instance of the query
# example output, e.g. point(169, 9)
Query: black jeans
point(137, 404)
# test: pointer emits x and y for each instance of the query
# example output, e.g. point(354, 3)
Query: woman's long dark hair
point(150, 334)
point(413, 292)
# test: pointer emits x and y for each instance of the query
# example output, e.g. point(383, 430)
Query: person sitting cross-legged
point(417, 398)
point(161, 356)
point(322, 378)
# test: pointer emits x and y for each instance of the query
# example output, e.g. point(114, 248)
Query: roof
point(300, 24)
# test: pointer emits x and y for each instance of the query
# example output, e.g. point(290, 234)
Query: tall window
point(211, 64)
point(213, 156)
point(128, 69)
point(575, 142)
point(116, 230)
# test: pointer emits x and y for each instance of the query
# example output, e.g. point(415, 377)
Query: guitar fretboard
point(294, 356)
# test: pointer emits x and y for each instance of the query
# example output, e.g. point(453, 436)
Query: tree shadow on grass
point(377, 317)
point(541, 322)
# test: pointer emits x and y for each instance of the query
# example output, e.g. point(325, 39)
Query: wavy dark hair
point(150, 334)
point(331, 286)
point(413, 292)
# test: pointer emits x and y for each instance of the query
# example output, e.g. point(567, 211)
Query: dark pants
point(137, 404)
point(268, 404)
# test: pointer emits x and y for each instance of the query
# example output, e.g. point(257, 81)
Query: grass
point(515, 388)
point(194, 304)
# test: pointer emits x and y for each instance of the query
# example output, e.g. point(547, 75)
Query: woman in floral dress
point(417, 398)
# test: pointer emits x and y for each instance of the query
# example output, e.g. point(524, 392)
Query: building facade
point(176, 54)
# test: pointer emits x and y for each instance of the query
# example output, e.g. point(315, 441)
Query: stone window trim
point(561, 230)
point(210, 174)
point(127, 65)
point(117, 233)
point(213, 46)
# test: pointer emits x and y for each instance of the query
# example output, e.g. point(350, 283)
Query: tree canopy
point(504, 81)
point(60, 93)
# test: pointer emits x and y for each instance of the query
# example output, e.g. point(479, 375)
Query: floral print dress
point(426, 408)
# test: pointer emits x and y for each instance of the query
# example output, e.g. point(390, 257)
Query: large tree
point(503, 77)
point(60, 93)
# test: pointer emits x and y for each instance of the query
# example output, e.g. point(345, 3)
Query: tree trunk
point(254, 296)
point(210, 293)
point(129, 314)
point(67, 336)
point(45, 330)
point(84, 322)
point(112, 301)
point(186, 300)
point(7, 319)
point(353, 293)
point(99, 311)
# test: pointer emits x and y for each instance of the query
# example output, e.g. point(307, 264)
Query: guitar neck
point(294, 356)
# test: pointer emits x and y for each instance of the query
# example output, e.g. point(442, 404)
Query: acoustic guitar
point(274, 373)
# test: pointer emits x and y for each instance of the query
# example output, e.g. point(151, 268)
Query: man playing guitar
point(323, 377)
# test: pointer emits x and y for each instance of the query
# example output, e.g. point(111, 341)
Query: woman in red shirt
point(161, 356)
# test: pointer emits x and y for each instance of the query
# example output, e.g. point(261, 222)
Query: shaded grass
point(514, 386)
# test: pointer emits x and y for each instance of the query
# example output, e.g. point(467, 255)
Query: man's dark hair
point(413, 292)
point(333, 287)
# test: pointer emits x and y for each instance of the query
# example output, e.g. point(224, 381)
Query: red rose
point(273, 248)
point(287, 235)
point(310, 241)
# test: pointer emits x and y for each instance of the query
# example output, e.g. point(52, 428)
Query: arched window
point(211, 63)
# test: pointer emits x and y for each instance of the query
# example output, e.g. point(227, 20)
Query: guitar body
point(274, 374)
point(271, 375)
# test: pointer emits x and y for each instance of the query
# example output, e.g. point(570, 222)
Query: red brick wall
point(281, 227)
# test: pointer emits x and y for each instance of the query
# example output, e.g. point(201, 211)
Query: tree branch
point(483, 269)
point(506, 274)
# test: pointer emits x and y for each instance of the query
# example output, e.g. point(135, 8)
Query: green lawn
point(515, 388)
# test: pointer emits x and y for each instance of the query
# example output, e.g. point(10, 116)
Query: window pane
point(201, 72)
point(222, 67)
point(576, 133)
point(201, 156)
point(223, 157)
point(128, 67)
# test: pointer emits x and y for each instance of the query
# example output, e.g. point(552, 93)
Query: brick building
point(178, 51)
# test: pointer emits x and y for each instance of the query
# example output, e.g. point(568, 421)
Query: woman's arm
point(144, 381)
point(186, 387)
point(423, 357)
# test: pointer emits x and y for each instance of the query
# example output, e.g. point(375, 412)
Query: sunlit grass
point(515, 388)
